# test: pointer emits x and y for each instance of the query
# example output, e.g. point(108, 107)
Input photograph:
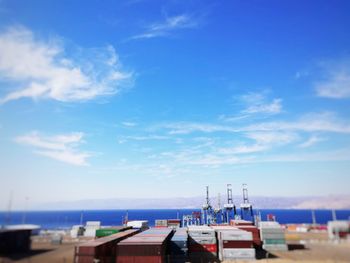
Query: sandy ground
point(317, 248)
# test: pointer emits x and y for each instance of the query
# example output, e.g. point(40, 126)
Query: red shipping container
point(195, 247)
point(174, 221)
point(235, 222)
point(102, 248)
point(255, 231)
point(237, 244)
point(144, 259)
point(144, 248)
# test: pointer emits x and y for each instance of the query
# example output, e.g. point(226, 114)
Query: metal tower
point(207, 208)
point(246, 206)
point(218, 210)
point(229, 206)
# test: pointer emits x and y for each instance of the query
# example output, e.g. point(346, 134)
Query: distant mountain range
point(320, 202)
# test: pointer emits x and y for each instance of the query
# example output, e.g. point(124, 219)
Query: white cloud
point(243, 149)
point(42, 69)
point(258, 103)
point(60, 147)
point(336, 155)
point(267, 138)
point(312, 122)
point(166, 27)
point(337, 86)
point(145, 138)
point(311, 141)
point(263, 142)
point(335, 79)
point(129, 124)
point(189, 127)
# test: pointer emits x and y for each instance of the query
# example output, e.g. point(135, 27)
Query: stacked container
point(149, 246)
point(338, 229)
point(202, 242)
point(234, 243)
point(174, 223)
point(102, 249)
point(272, 235)
point(91, 227)
point(140, 224)
point(107, 231)
point(255, 232)
point(161, 223)
point(179, 245)
point(239, 222)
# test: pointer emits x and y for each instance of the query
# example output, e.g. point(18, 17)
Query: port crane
point(207, 214)
point(218, 210)
point(229, 206)
point(246, 207)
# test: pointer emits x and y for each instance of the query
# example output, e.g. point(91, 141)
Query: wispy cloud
point(129, 124)
point(311, 122)
point(60, 147)
point(311, 141)
point(272, 137)
point(258, 103)
point(42, 69)
point(243, 149)
point(336, 85)
point(142, 138)
point(189, 127)
point(263, 141)
point(167, 26)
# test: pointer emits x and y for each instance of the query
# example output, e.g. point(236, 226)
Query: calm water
point(66, 219)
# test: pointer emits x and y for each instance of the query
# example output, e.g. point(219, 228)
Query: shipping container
point(161, 222)
point(201, 231)
point(255, 232)
point(202, 240)
point(235, 222)
point(102, 249)
point(277, 247)
point(179, 242)
point(195, 247)
point(237, 253)
point(149, 246)
point(237, 244)
point(107, 231)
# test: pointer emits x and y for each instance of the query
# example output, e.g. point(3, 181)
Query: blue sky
point(161, 98)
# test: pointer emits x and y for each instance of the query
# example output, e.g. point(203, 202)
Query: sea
point(52, 220)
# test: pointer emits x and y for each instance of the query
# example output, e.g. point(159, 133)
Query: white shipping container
point(203, 240)
point(93, 224)
point(269, 224)
point(334, 227)
point(277, 247)
point(201, 231)
point(271, 230)
point(142, 224)
point(238, 253)
point(161, 222)
point(235, 235)
point(272, 236)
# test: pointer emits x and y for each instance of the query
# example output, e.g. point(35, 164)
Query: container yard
point(213, 235)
